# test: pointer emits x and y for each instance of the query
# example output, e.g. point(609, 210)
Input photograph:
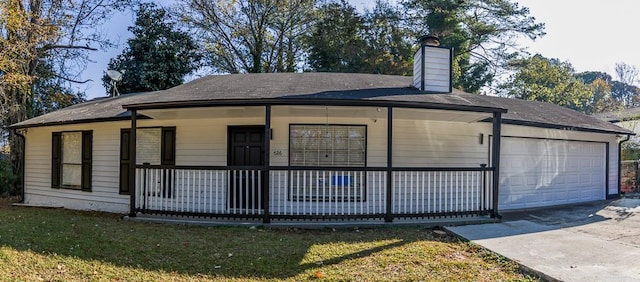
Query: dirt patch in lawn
point(6, 202)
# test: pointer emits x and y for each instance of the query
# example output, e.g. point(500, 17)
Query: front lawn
point(61, 245)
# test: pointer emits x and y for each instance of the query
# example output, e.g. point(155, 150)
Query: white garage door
point(543, 172)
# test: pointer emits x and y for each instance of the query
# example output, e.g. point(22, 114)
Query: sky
point(593, 35)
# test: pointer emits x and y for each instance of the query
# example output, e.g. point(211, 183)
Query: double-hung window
point(71, 157)
point(155, 146)
point(327, 146)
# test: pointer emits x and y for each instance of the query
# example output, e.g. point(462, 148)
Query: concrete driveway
point(598, 241)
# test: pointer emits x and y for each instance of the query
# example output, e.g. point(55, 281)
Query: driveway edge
point(521, 267)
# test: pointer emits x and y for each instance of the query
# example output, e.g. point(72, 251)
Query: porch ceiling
point(202, 113)
point(314, 111)
point(440, 115)
point(329, 111)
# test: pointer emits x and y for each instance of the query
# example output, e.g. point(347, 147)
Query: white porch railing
point(444, 192)
point(312, 193)
point(327, 193)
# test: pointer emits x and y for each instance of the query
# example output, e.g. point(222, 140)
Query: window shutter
point(125, 134)
point(168, 154)
point(56, 159)
point(87, 154)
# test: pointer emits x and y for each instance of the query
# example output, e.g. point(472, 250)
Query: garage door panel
point(575, 164)
point(573, 179)
point(543, 172)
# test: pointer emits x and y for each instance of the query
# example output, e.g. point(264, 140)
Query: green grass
point(62, 245)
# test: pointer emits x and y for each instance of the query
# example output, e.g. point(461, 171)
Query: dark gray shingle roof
point(536, 113)
point(319, 86)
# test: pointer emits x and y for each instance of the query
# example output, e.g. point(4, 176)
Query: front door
point(245, 155)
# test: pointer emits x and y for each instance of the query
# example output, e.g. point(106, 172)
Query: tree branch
point(72, 80)
point(50, 47)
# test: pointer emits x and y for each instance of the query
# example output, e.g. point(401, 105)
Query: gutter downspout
point(22, 162)
point(620, 163)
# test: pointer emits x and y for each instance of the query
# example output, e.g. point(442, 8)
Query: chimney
point(432, 66)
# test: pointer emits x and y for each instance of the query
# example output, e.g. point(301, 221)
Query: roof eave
point(310, 102)
point(82, 121)
point(561, 127)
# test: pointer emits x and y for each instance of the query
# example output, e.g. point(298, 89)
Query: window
point(148, 145)
point(71, 160)
point(327, 146)
point(154, 146)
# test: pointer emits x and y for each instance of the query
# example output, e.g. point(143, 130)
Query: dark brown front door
point(246, 153)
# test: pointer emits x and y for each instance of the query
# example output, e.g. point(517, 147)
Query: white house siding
point(426, 143)
point(106, 151)
point(416, 144)
point(420, 143)
point(580, 176)
point(203, 142)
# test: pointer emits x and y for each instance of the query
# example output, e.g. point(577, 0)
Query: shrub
point(630, 150)
point(9, 181)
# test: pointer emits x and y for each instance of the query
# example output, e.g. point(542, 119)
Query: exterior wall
point(203, 142)
point(198, 142)
point(106, 151)
point(611, 139)
point(420, 143)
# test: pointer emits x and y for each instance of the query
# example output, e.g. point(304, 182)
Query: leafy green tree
point(624, 94)
point(335, 42)
point(602, 100)
point(249, 35)
point(342, 40)
point(157, 57)
point(389, 42)
point(548, 80)
point(482, 33)
point(589, 77)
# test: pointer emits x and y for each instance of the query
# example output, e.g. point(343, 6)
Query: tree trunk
point(17, 112)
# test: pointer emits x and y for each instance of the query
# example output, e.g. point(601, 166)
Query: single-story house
point(299, 146)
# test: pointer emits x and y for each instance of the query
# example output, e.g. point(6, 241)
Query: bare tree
point(249, 35)
point(627, 73)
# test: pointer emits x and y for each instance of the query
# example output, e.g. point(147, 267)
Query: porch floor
point(313, 224)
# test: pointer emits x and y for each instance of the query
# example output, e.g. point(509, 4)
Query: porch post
point(495, 160)
point(389, 212)
point(267, 163)
point(132, 164)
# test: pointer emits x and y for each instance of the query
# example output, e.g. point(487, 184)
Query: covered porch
point(320, 161)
